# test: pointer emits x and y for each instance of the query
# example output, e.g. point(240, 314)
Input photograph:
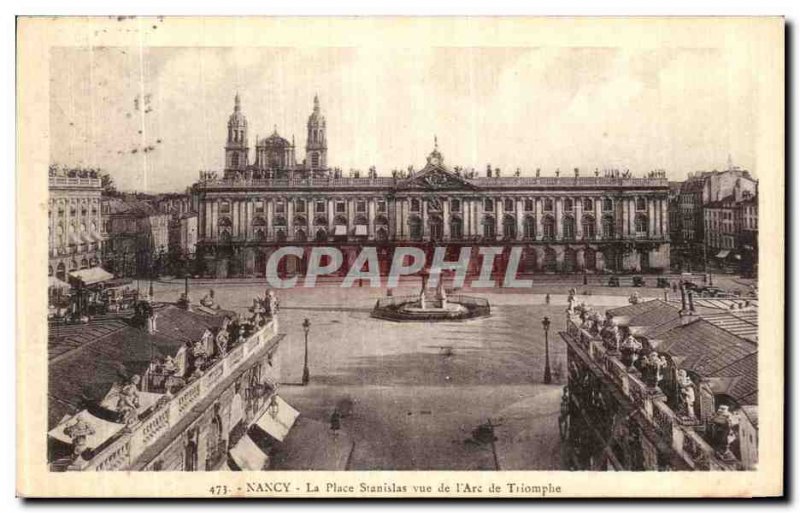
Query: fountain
point(438, 308)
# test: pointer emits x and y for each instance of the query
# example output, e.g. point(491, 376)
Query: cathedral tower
point(316, 142)
point(236, 148)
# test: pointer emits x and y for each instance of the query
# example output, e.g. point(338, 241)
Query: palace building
point(593, 224)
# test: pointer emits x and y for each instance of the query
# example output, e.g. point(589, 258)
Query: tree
point(107, 183)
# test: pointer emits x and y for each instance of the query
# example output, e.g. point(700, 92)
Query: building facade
point(731, 230)
point(564, 223)
point(138, 236)
point(76, 234)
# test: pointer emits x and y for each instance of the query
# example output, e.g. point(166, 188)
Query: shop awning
point(92, 275)
point(340, 230)
point(723, 254)
point(96, 430)
point(278, 419)
point(247, 455)
point(55, 283)
point(361, 230)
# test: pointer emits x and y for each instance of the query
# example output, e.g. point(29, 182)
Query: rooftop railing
point(123, 452)
point(388, 182)
point(681, 435)
point(66, 181)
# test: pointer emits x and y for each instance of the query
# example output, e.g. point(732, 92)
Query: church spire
point(237, 103)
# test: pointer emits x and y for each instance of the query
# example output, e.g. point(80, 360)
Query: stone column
point(498, 218)
point(664, 218)
point(214, 222)
point(331, 215)
point(290, 218)
point(371, 218)
point(580, 260)
point(559, 214)
point(207, 220)
point(651, 217)
point(578, 202)
point(600, 260)
point(625, 216)
point(520, 204)
point(270, 206)
point(539, 212)
point(446, 218)
point(426, 230)
point(598, 217)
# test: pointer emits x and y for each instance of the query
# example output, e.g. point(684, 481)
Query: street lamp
point(306, 329)
point(546, 325)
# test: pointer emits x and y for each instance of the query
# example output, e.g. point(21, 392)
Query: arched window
point(415, 228)
point(61, 272)
point(300, 235)
point(588, 205)
point(381, 220)
point(456, 228)
point(259, 234)
point(509, 227)
point(608, 227)
point(360, 220)
point(279, 221)
point(549, 228)
point(259, 222)
point(489, 227)
point(382, 234)
point(225, 222)
point(569, 228)
point(608, 205)
point(280, 235)
point(320, 221)
point(570, 260)
point(549, 263)
point(300, 221)
point(321, 235)
point(529, 228)
point(436, 227)
point(588, 227)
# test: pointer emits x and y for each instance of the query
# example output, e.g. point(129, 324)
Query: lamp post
point(546, 325)
point(306, 329)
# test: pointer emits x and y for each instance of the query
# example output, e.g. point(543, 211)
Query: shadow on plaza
point(461, 367)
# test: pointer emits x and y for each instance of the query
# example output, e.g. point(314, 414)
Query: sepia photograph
point(292, 244)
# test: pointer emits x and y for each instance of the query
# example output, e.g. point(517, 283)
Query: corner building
point(564, 223)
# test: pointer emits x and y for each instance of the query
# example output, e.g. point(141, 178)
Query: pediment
point(434, 177)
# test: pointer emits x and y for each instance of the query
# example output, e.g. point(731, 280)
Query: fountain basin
point(408, 309)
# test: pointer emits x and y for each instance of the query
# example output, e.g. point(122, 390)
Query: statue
point(208, 300)
point(169, 366)
point(441, 295)
point(79, 431)
point(571, 301)
point(422, 291)
point(128, 402)
point(722, 432)
point(634, 298)
point(611, 339)
point(652, 369)
point(630, 350)
point(199, 354)
point(687, 395)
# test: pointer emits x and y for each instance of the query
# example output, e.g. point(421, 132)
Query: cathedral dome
point(275, 141)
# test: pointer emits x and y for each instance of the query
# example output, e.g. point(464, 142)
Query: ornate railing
point(680, 436)
point(387, 182)
point(122, 453)
point(66, 181)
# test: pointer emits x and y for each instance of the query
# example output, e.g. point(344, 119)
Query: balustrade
point(124, 451)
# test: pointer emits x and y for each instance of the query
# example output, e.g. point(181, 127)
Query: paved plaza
point(414, 392)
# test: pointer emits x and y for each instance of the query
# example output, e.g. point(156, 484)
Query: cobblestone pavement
point(414, 392)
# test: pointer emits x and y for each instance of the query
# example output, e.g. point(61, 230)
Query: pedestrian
point(547, 299)
point(336, 422)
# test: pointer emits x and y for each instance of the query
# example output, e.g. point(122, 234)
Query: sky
point(677, 109)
